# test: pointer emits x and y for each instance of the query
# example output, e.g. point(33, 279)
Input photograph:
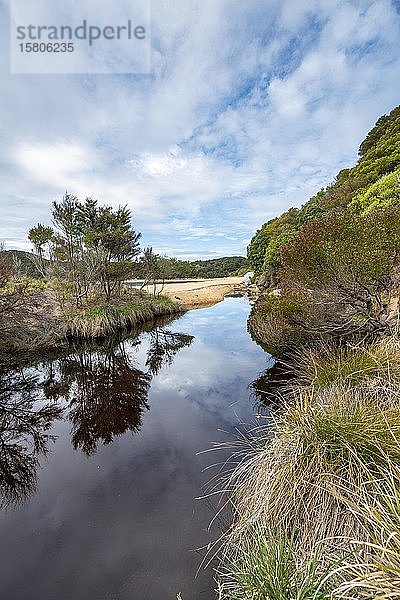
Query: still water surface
point(109, 512)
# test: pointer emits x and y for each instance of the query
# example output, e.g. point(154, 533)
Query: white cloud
point(55, 164)
point(251, 108)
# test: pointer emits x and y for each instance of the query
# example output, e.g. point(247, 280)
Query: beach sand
point(199, 293)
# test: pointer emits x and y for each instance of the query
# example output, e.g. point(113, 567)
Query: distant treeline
point(216, 267)
point(173, 268)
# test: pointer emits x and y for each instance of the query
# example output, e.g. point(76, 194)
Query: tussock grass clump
point(266, 568)
point(379, 576)
point(328, 364)
point(108, 319)
point(316, 493)
point(305, 473)
point(322, 443)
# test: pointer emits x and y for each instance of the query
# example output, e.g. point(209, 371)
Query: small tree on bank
point(41, 237)
point(91, 248)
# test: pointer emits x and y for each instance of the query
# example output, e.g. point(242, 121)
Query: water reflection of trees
point(24, 437)
point(164, 345)
point(271, 385)
point(106, 391)
point(107, 396)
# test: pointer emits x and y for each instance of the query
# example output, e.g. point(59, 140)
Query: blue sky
point(250, 108)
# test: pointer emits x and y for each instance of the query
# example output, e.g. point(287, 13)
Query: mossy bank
point(107, 319)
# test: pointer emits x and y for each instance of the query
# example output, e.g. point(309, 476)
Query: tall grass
point(379, 576)
point(320, 441)
point(327, 364)
point(108, 319)
point(266, 567)
point(324, 474)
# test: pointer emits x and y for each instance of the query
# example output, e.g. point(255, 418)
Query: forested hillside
point(374, 182)
point(172, 268)
point(336, 259)
point(25, 263)
point(218, 267)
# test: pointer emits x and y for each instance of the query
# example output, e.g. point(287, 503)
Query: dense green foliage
point(373, 183)
point(340, 252)
point(383, 193)
point(347, 258)
point(267, 234)
point(218, 267)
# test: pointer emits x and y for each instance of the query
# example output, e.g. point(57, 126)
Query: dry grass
point(379, 576)
point(328, 364)
point(325, 474)
point(107, 319)
point(320, 441)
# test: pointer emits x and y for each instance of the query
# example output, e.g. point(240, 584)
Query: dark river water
point(99, 463)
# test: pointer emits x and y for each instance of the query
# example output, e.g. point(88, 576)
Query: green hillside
point(336, 259)
point(25, 264)
point(218, 267)
point(374, 182)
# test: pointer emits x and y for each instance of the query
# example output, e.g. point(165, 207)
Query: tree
point(93, 247)
point(110, 233)
point(41, 238)
point(265, 236)
point(151, 268)
point(349, 262)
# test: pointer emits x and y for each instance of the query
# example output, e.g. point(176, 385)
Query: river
point(105, 508)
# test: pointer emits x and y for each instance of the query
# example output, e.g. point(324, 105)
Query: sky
point(249, 108)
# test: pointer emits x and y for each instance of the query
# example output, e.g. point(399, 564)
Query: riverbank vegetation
point(315, 492)
point(83, 262)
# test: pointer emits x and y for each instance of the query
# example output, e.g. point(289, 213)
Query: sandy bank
point(199, 293)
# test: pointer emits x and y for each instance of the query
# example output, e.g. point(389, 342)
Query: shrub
point(383, 193)
point(349, 262)
point(278, 323)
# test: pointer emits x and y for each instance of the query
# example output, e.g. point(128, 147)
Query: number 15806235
point(46, 47)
